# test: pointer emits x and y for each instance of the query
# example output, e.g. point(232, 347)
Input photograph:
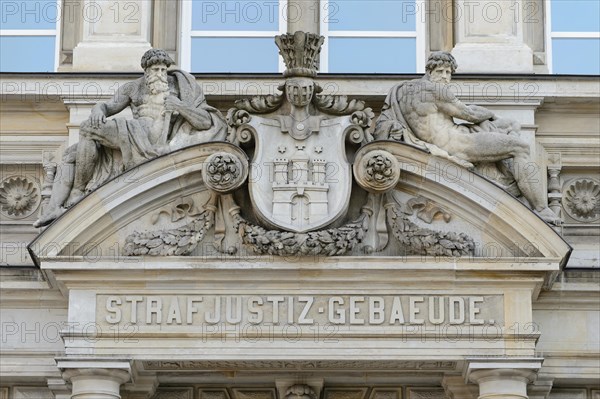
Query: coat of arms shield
point(300, 184)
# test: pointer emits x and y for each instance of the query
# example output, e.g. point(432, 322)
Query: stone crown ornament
point(300, 52)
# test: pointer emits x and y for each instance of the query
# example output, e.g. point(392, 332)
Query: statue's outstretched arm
point(116, 104)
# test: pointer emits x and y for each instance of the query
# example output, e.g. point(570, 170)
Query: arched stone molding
point(479, 208)
point(125, 199)
point(475, 200)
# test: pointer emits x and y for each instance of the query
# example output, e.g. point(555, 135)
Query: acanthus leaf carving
point(426, 209)
point(180, 209)
point(256, 104)
point(178, 241)
point(424, 241)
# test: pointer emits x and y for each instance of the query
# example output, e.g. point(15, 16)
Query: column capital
point(477, 364)
point(502, 377)
point(95, 378)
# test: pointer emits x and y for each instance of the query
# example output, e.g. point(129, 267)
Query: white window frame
point(560, 35)
point(42, 33)
point(185, 59)
point(418, 34)
point(185, 40)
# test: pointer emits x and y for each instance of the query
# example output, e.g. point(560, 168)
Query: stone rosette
point(19, 197)
point(378, 171)
point(582, 200)
point(224, 172)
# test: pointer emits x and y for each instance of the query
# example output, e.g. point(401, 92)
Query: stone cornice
point(522, 88)
point(336, 275)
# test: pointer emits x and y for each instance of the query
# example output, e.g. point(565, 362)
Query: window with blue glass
point(237, 35)
point(28, 35)
point(575, 36)
point(378, 36)
point(234, 35)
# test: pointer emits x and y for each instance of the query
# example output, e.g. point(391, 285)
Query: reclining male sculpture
point(421, 112)
point(169, 112)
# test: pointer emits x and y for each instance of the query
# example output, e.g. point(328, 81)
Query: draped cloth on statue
point(135, 146)
point(183, 134)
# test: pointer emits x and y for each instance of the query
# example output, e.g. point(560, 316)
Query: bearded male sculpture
point(421, 112)
point(169, 112)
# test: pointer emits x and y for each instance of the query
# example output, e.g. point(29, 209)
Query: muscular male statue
point(421, 113)
point(169, 112)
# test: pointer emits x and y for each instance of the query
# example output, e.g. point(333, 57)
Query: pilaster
point(118, 30)
point(490, 37)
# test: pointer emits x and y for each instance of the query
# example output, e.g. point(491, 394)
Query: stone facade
point(306, 254)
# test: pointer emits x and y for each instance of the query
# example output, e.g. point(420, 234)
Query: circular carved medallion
point(223, 172)
point(581, 199)
point(19, 197)
point(378, 171)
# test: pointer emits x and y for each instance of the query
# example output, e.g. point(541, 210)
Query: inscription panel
point(252, 315)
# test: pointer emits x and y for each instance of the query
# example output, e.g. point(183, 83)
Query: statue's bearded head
point(157, 79)
point(440, 67)
point(299, 91)
point(155, 63)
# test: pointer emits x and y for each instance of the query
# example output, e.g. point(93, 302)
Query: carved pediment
point(168, 208)
point(301, 175)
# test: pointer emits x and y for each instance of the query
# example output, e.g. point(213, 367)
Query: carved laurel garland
point(426, 241)
point(179, 241)
point(329, 242)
